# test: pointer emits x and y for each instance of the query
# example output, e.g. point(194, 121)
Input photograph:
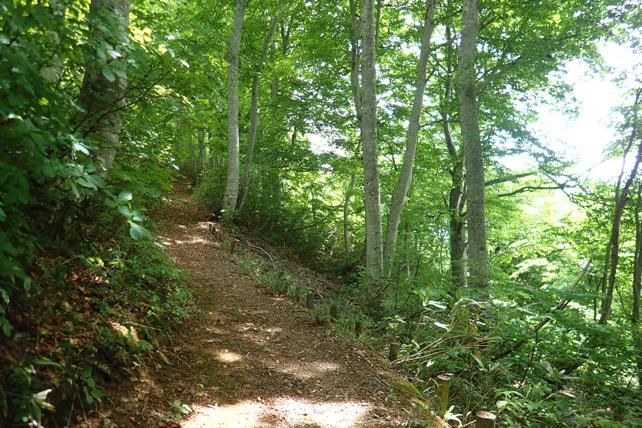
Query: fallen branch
point(256, 247)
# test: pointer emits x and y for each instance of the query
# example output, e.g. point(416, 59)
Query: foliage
point(78, 238)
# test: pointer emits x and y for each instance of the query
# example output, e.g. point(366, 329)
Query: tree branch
point(560, 306)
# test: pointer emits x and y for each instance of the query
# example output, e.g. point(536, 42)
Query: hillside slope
point(248, 357)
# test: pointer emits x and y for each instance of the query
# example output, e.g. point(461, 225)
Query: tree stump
point(484, 419)
point(393, 354)
point(443, 387)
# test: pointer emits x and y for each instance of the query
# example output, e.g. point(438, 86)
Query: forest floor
point(248, 356)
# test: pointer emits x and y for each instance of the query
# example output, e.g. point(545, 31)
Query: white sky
point(584, 137)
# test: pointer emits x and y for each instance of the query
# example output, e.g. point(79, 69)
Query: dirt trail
point(249, 357)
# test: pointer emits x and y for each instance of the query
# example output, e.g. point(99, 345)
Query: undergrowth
point(443, 336)
point(84, 322)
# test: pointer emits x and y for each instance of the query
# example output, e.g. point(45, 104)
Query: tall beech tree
point(254, 112)
point(380, 155)
point(233, 159)
point(412, 136)
point(469, 119)
point(372, 191)
point(102, 94)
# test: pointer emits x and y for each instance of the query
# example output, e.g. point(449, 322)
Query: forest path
point(250, 357)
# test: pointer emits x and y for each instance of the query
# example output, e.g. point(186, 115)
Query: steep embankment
point(248, 357)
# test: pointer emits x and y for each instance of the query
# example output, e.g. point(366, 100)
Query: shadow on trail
point(250, 358)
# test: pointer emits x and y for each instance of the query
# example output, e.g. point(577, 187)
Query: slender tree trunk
point(374, 247)
point(346, 214)
point(468, 116)
point(355, 64)
point(201, 154)
point(233, 163)
point(192, 148)
point(102, 94)
point(621, 196)
point(456, 199)
point(457, 240)
point(636, 330)
point(254, 114)
point(412, 136)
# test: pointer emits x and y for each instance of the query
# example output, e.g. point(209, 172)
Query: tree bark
point(346, 214)
point(412, 136)
point(374, 247)
point(233, 162)
point(636, 331)
point(355, 63)
point(456, 199)
point(468, 116)
point(102, 94)
point(613, 249)
point(254, 115)
point(201, 154)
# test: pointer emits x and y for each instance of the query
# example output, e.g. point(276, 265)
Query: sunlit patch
point(326, 415)
point(194, 240)
point(242, 415)
point(129, 333)
point(228, 357)
point(309, 370)
point(280, 412)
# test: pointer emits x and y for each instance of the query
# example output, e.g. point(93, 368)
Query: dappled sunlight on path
point(284, 411)
point(252, 358)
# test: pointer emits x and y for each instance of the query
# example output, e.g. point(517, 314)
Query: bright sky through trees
point(585, 137)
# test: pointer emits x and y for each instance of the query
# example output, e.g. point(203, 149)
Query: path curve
point(250, 357)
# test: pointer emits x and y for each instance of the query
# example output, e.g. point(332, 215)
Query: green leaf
point(97, 180)
point(138, 232)
point(6, 327)
point(124, 210)
point(125, 196)
point(27, 284)
point(109, 75)
point(44, 361)
point(75, 190)
point(83, 181)
point(138, 217)
point(4, 295)
point(481, 365)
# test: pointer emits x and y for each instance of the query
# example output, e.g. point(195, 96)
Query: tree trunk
point(636, 331)
point(412, 136)
point(102, 94)
point(346, 214)
point(613, 249)
point(254, 115)
point(374, 247)
point(355, 64)
point(468, 116)
point(201, 154)
point(192, 148)
point(233, 163)
point(456, 199)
